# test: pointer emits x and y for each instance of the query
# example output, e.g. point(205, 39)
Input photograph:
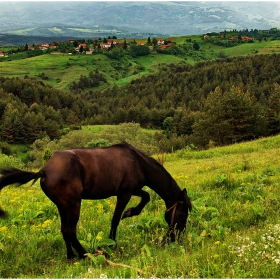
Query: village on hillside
point(91, 46)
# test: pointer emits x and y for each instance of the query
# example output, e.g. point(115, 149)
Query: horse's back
point(101, 172)
point(109, 171)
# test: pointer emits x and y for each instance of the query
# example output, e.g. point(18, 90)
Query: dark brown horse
point(119, 170)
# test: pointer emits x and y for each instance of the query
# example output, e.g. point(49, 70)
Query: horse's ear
point(184, 196)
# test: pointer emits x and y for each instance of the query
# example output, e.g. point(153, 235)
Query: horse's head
point(176, 216)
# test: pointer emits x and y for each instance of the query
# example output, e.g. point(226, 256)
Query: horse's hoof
point(71, 258)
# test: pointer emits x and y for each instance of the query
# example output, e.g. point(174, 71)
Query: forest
point(210, 103)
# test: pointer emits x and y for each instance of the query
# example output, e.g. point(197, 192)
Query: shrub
point(98, 143)
point(5, 148)
point(10, 161)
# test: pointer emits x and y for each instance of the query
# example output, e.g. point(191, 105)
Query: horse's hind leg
point(63, 218)
point(134, 211)
point(69, 219)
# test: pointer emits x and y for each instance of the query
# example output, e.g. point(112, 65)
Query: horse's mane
point(138, 153)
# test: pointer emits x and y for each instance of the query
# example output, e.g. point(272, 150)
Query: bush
point(10, 161)
point(98, 143)
point(5, 148)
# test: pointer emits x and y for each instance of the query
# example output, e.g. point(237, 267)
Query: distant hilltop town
point(90, 46)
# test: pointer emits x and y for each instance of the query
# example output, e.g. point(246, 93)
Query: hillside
point(157, 90)
point(234, 224)
point(61, 69)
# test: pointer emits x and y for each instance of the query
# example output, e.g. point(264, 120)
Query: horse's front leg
point(134, 211)
point(122, 201)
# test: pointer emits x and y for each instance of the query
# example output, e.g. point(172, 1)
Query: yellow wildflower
point(2, 229)
point(46, 223)
point(98, 238)
point(99, 208)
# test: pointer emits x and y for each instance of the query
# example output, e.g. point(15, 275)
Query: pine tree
point(7, 123)
point(273, 111)
point(19, 131)
point(31, 127)
point(229, 117)
point(7, 130)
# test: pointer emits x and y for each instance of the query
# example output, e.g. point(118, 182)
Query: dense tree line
point(93, 80)
point(30, 110)
point(210, 103)
point(222, 101)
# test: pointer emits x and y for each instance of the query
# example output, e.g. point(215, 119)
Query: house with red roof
point(43, 46)
point(52, 46)
point(160, 42)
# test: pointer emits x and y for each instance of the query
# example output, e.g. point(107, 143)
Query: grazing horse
point(120, 170)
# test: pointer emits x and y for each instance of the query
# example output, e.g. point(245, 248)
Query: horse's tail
point(16, 176)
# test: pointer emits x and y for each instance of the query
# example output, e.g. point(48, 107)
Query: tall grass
point(232, 232)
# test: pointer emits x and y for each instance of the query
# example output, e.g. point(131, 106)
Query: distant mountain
point(134, 19)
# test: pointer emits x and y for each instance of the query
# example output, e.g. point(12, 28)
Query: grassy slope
point(233, 230)
point(62, 70)
point(252, 48)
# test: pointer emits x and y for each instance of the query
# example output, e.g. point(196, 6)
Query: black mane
point(173, 184)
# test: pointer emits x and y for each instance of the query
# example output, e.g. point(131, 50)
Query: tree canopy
point(223, 101)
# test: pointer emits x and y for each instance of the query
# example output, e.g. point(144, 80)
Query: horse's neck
point(163, 184)
point(157, 178)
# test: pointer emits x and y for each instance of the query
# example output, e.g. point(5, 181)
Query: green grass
point(232, 232)
point(63, 69)
point(95, 128)
point(20, 151)
point(99, 128)
point(263, 47)
point(150, 64)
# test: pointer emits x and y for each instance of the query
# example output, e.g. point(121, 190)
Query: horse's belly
point(97, 194)
point(101, 189)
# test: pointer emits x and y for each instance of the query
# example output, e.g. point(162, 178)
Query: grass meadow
point(62, 69)
point(254, 48)
point(232, 232)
